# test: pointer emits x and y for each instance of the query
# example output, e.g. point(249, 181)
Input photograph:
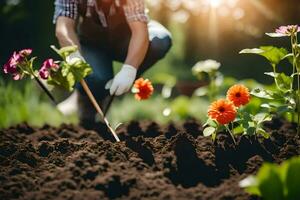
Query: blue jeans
point(101, 58)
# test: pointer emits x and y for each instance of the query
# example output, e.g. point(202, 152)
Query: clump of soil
point(151, 162)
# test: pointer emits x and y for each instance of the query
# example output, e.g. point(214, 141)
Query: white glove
point(123, 81)
point(74, 57)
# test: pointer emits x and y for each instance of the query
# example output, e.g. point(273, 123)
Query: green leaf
point(70, 82)
point(65, 51)
point(292, 180)
point(272, 74)
point(284, 109)
point(276, 35)
point(261, 93)
point(273, 54)
point(209, 131)
point(275, 182)
point(270, 184)
point(251, 185)
point(80, 71)
point(284, 82)
point(214, 136)
point(266, 105)
point(70, 71)
point(262, 117)
point(250, 131)
point(252, 51)
point(66, 82)
point(211, 123)
point(65, 69)
point(263, 133)
point(238, 130)
point(246, 119)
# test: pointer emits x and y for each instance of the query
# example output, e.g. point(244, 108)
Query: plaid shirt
point(134, 10)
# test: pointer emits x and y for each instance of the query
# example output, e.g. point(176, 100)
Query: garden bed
point(152, 162)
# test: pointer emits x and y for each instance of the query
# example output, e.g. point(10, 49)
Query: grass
point(23, 102)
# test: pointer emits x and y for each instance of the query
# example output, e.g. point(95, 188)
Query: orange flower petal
point(239, 95)
point(223, 111)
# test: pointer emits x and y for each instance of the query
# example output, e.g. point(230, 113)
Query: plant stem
point(231, 134)
point(212, 86)
point(294, 41)
point(275, 72)
point(97, 107)
point(45, 90)
point(298, 105)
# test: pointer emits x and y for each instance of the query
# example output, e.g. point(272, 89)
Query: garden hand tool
point(98, 109)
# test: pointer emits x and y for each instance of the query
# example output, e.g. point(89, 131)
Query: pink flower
point(284, 31)
point(11, 67)
point(25, 52)
point(17, 59)
point(44, 73)
point(47, 66)
point(287, 30)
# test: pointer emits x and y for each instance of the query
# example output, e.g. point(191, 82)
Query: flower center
point(238, 94)
point(221, 109)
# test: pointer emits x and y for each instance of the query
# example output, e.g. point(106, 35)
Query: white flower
point(206, 66)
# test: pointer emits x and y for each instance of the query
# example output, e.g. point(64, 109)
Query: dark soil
point(152, 162)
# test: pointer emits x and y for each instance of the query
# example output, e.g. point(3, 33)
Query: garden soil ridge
point(151, 162)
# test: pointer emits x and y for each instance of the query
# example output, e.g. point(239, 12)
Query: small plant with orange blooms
point(223, 113)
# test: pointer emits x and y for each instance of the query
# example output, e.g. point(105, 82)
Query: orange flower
point(239, 95)
point(144, 89)
point(223, 111)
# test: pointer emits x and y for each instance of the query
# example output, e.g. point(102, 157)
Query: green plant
point(274, 182)
point(20, 65)
point(229, 114)
point(21, 99)
point(70, 70)
point(286, 97)
point(208, 71)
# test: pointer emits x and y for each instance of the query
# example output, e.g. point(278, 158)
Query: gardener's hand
point(74, 57)
point(123, 81)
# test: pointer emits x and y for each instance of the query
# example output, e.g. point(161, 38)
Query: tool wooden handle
point(97, 107)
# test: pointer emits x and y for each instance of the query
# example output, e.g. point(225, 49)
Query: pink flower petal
point(44, 73)
point(17, 77)
point(25, 52)
point(49, 63)
point(287, 30)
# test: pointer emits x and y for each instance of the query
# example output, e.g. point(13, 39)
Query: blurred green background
point(202, 29)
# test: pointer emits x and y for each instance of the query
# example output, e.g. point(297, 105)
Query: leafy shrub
point(275, 182)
